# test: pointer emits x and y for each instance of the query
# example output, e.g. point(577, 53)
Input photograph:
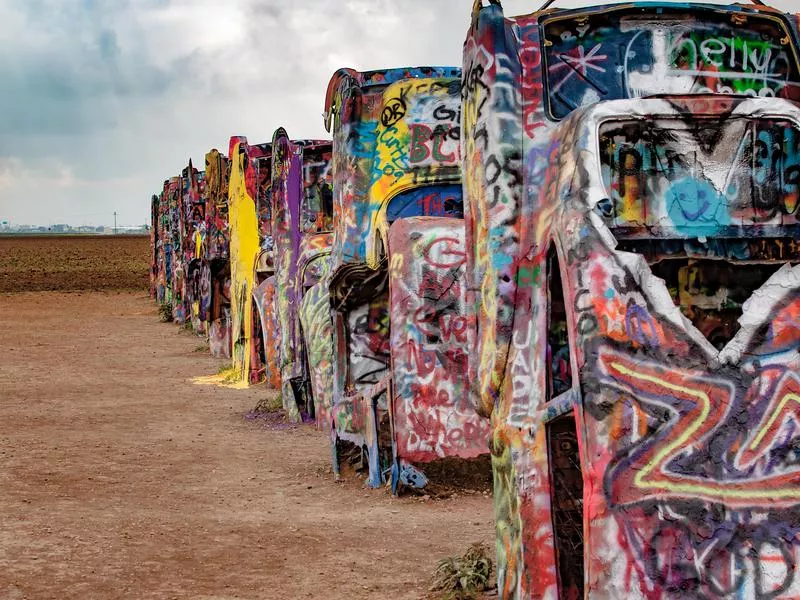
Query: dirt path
point(121, 479)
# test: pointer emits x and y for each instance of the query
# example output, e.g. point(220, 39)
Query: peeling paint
point(634, 270)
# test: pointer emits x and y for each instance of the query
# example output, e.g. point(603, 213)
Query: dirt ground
point(119, 478)
point(74, 262)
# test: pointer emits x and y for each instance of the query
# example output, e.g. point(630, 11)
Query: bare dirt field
point(74, 262)
point(119, 478)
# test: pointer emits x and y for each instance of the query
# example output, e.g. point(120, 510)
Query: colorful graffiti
point(301, 215)
point(317, 328)
point(175, 266)
point(265, 298)
point(215, 290)
point(193, 214)
point(600, 55)
point(431, 336)
point(266, 339)
point(177, 236)
point(397, 157)
point(217, 176)
point(357, 111)
point(244, 251)
point(628, 259)
point(610, 296)
point(155, 246)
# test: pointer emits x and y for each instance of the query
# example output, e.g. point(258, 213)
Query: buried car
point(401, 325)
point(635, 270)
point(301, 223)
point(193, 212)
point(215, 299)
point(249, 182)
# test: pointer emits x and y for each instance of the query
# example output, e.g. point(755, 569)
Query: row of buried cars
point(578, 253)
point(334, 271)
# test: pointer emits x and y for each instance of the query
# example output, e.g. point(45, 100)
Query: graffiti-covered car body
point(396, 385)
point(250, 169)
point(174, 266)
point(155, 245)
point(636, 302)
point(193, 213)
point(157, 280)
point(433, 413)
point(266, 327)
point(215, 300)
point(316, 325)
point(301, 222)
point(268, 340)
point(163, 251)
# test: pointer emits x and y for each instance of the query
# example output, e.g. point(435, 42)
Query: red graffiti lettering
point(445, 253)
point(421, 138)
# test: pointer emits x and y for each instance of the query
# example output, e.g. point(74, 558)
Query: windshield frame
point(645, 230)
point(779, 19)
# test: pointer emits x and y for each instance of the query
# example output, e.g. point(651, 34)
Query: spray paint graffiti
point(317, 328)
point(217, 176)
point(175, 265)
point(397, 157)
point(605, 54)
point(193, 215)
point(696, 200)
point(155, 247)
point(492, 102)
point(630, 296)
point(219, 331)
point(431, 336)
point(265, 346)
point(355, 109)
point(244, 251)
point(628, 272)
point(265, 298)
point(215, 290)
point(161, 237)
point(177, 234)
point(301, 215)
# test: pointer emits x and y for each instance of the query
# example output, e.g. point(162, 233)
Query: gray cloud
point(103, 99)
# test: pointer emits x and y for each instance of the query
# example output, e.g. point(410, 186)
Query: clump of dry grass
point(269, 403)
point(165, 312)
point(464, 577)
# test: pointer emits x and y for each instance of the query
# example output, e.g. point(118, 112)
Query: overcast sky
point(101, 100)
